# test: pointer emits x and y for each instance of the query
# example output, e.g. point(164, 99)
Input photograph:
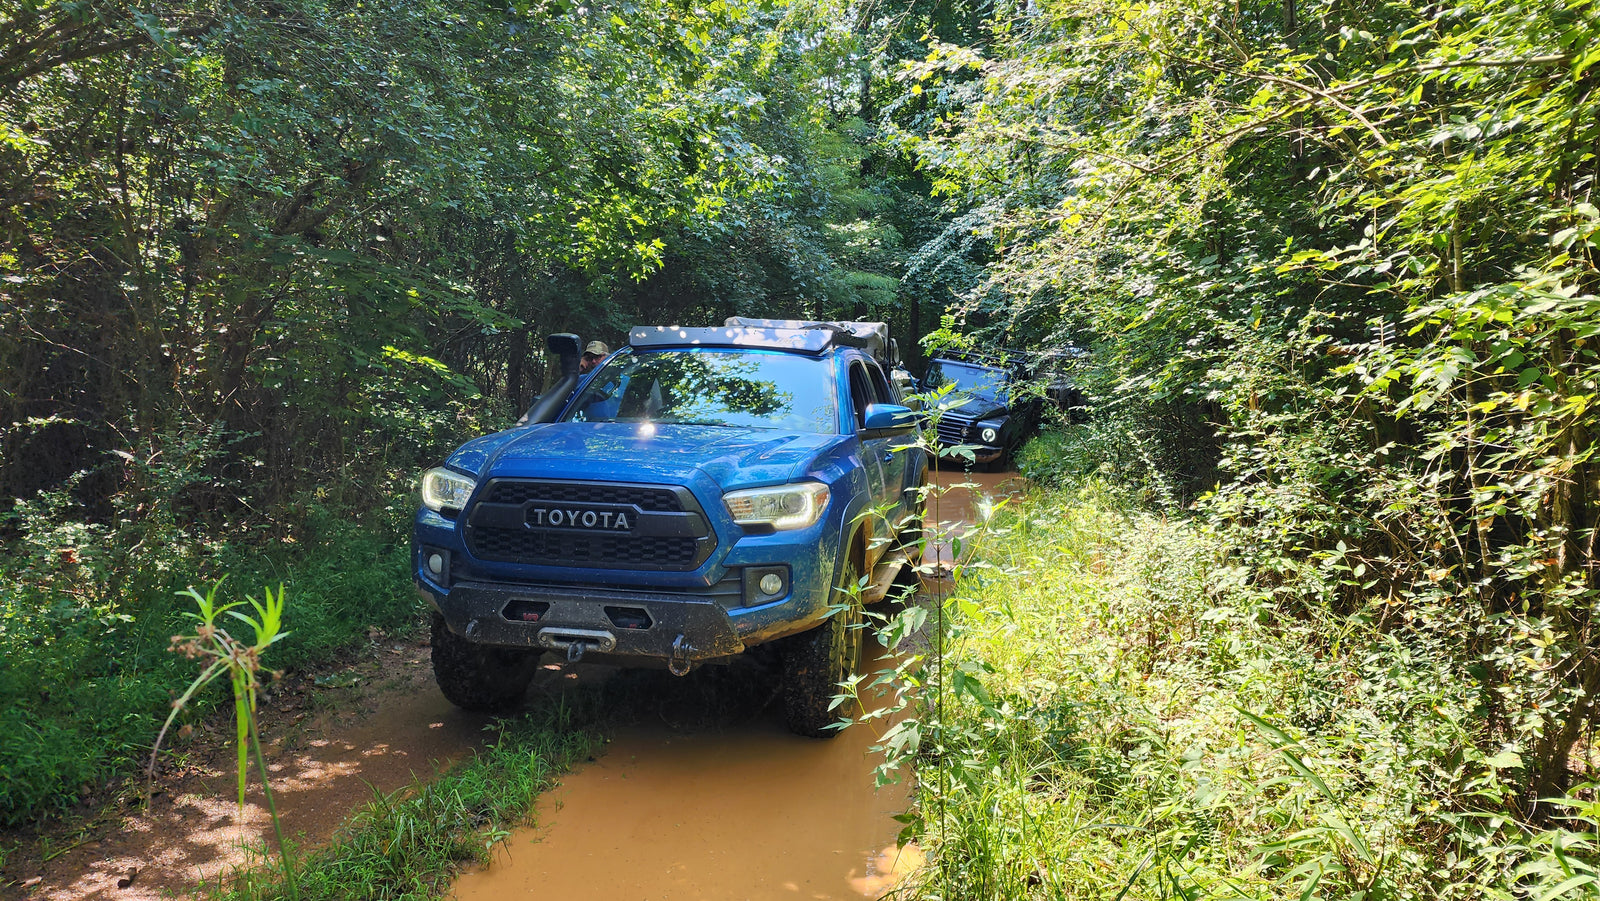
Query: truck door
point(894, 461)
point(873, 452)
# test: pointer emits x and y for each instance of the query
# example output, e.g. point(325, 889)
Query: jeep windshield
point(739, 389)
point(967, 380)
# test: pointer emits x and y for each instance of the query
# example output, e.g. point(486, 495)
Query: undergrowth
point(86, 614)
point(1124, 711)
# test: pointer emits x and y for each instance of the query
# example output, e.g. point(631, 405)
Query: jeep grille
point(953, 429)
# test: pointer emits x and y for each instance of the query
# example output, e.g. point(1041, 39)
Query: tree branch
point(91, 51)
point(1291, 83)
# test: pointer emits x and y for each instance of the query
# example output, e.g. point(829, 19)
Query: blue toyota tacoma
point(703, 492)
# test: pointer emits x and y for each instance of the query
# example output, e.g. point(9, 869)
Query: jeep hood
point(635, 452)
point(977, 408)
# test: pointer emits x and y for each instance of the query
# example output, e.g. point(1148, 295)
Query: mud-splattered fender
point(856, 494)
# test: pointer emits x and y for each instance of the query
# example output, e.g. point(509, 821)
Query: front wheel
point(479, 677)
point(815, 662)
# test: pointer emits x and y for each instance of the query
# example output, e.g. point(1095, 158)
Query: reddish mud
point(960, 500)
point(747, 811)
point(327, 750)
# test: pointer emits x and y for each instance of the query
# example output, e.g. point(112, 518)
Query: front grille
point(729, 591)
point(953, 429)
point(645, 497)
point(495, 539)
point(579, 549)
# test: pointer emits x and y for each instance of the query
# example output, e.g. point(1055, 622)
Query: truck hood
point(626, 451)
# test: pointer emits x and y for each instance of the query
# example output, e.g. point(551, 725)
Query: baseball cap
point(598, 348)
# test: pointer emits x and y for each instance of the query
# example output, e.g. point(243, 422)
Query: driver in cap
point(593, 353)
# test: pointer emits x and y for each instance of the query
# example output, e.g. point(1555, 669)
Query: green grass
point(410, 844)
point(84, 634)
point(1126, 713)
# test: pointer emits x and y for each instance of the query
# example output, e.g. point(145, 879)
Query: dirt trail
point(961, 501)
point(736, 808)
point(327, 750)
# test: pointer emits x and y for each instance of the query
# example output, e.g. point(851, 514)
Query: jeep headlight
point(988, 435)
point(446, 489)
point(781, 506)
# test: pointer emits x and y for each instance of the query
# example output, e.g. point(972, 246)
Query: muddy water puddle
point(753, 813)
point(958, 503)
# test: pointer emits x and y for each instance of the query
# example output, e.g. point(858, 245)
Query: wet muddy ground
point(736, 808)
point(682, 805)
point(372, 725)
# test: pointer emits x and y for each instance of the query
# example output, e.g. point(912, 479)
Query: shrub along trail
point(370, 726)
point(1127, 711)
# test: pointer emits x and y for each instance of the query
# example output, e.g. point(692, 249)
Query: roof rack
point(873, 337)
point(778, 334)
point(699, 336)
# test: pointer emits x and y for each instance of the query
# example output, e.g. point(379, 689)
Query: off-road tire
point(478, 677)
point(815, 662)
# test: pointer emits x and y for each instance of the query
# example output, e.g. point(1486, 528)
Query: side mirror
point(885, 420)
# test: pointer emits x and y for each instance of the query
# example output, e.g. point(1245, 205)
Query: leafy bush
point(1124, 710)
point(88, 678)
point(1358, 246)
point(1154, 455)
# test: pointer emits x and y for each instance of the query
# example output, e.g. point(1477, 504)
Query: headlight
point(781, 506)
point(989, 435)
point(446, 489)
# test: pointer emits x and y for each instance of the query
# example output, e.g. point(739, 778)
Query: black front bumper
point(683, 627)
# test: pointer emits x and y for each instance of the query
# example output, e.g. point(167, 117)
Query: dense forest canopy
point(1335, 264)
point(311, 225)
point(263, 261)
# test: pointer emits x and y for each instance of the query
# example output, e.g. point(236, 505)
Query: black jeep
point(999, 399)
point(994, 413)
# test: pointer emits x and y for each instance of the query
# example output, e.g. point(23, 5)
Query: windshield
point(742, 389)
point(972, 381)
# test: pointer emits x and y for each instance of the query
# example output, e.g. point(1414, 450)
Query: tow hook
point(680, 664)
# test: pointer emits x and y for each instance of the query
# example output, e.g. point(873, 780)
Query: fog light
point(436, 564)
point(989, 435)
point(771, 583)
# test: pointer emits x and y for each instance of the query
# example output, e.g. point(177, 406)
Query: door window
point(861, 392)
